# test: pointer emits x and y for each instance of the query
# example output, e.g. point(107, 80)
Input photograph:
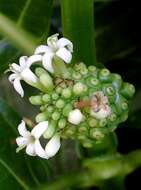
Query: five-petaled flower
point(62, 48)
point(23, 72)
point(31, 140)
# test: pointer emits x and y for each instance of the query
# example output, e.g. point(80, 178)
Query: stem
point(17, 35)
point(78, 26)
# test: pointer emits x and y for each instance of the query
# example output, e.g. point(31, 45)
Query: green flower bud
point(87, 143)
point(97, 134)
point(46, 98)
point(102, 123)
point(92, 68)
point(56, 115)
point(39, 71)
point(104, 75)
point(84, 71)
point(67, 109)
point(81, 137)
point(46, 81)
point(128, 90)
point(58, 90)
point(55, 96)
point(92, 122)
point(36, 100)
point(60, 68)
point(112, 117)
point(66, 93)
point(50, 130)
point(60, 103)
point(116, 81)
point(62, 123)
point(50, 109)
point(76, 75)
point(42, 117)
point(79, 88)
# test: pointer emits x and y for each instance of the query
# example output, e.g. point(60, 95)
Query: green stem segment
point(78, 26)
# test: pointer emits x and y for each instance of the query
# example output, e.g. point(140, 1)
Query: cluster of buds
point(76, 101)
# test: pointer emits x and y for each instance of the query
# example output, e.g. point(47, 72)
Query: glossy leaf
point(78, 26)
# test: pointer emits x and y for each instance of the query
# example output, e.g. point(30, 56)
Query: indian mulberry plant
point(77, 102)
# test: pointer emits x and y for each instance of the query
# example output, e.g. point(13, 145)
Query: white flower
point(61, 48)
point(100, 105)
point(31, 140)
point(75, 117)
point(23, 72)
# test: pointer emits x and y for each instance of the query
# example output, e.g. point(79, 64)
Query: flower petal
point(39, 129)
point(12, 77)
point(21, 141)
point(34, 58)
point(53, 146)
point(42, 49)
point(23, 61)
point(64, 54)
point(22, 129)
point(30, 150)
point(28, 76)
point(64, 42)
point(47, 61)
point(52, 41)
point(15, 68)
point(18, 87)
point(39, 150)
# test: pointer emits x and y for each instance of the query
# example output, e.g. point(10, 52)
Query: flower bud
point(75, 117)
point(46, 81)
point(36, 100)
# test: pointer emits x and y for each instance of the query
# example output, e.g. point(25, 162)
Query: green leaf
point(78, 26)
point(37, 24)
point(19, 169)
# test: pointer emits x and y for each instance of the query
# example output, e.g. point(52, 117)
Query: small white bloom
point(75, 117)
point(61, 48)
point(31, 140)
point(100, 105)
point(23, 72)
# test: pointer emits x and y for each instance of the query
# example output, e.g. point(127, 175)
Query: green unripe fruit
point(60, 103)
point(128, 90)
point(66, 93)
point(62, 123)
point(55, 96)
point(36, 100)
point(67, 110)
point(46, 81)
point(55, 115)
point(46, 98)
point(42, 117)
